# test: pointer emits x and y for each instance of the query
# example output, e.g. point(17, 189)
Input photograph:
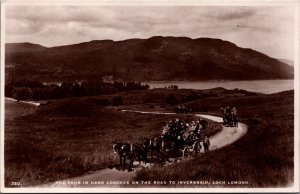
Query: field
point(70, 137)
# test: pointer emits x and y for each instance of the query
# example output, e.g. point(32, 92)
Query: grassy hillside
point(70, 137)
point(264, 156)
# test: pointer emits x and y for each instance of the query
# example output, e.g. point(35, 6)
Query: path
point(21, 101)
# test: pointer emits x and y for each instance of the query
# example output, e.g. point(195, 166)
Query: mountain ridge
point(154, 59)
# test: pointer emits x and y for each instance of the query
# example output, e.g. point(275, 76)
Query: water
point(261, 86)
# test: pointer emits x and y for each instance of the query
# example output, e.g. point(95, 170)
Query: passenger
point(189, 128)
point(222, 110)
point(165, 130)
point(182, 127)
point(234, 111)
point(193, 123)
point(206, 144)
point(197, 127)
point(192, 126)
point(227, 110)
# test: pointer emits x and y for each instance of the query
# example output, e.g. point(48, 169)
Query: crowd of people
point(228, 111)
point(179, 130)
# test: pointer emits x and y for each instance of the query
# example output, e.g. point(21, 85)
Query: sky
point(267, 29)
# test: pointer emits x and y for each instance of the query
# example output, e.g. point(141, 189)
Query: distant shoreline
point(214, 80)
point(260, 86)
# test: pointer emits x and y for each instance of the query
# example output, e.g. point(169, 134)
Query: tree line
point(34, 90)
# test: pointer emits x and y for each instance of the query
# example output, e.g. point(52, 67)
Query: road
point(23, 101)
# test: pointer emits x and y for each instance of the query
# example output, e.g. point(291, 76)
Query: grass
point(73, 136)
point(70, 137)
point(264, 156)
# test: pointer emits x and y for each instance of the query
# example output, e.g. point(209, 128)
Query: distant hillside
point(287, 61)
point(22, 47)
point(154, 59)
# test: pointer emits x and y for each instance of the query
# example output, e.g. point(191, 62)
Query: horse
point(137, 152)
point(130, 152)
point(231, 120)
point(151, 145)
point(155, 147)
point(122, 149)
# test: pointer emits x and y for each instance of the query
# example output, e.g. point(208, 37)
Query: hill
point(22, 47)
point(287, 61)
point(154, 59)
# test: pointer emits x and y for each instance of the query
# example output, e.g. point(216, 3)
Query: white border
point(296, 96)
point(2, 104)
point(295, 3)
point(155, 2)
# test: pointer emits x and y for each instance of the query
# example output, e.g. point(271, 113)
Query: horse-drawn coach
point(230, 117)
point(182, 109)
point(178, 139)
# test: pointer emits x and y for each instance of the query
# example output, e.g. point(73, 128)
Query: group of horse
point(178, 139)
point(139, 151)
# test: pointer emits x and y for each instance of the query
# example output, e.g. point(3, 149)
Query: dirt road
point(116, 178)
point(23, 101)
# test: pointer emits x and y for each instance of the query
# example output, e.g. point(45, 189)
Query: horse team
point(178, 138)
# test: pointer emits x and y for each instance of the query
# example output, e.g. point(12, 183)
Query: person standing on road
point(206, 144)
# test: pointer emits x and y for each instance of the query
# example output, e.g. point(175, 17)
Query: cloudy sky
point(268, 29)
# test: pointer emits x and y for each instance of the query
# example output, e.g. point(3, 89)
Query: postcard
point(149, 96)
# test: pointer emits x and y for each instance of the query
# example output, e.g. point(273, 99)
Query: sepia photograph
point(149, 96)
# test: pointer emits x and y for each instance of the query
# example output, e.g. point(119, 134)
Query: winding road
point(22, 101)
point(115, 178)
